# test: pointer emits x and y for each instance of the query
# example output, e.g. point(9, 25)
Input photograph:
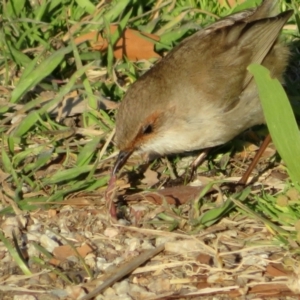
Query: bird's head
point(142, 126)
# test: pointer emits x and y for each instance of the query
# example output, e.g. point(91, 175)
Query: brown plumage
point(201, 94)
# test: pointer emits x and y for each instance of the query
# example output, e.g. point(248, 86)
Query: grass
point(40, 57)
point(51, 151)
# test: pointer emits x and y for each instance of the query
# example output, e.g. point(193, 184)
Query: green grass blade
point(88, 152)
point(41, 71)
point(279, 117)
point(87, 5)
point(31, 119)
point(15, 255)
point(116, 10)
point(67, 175)
point(14, 7)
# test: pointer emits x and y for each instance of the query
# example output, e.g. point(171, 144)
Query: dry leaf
point(275, 270)
point(65, 251)
point(231, 3)
point(150, 177)
point(132, 44)
point(173, 195)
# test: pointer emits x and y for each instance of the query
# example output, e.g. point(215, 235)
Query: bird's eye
point(147, 129)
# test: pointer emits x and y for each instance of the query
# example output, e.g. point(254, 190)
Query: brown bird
point(201, 95)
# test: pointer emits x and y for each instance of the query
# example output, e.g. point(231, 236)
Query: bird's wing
point(262, 35)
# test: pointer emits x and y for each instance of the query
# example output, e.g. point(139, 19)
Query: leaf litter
point(235, 257)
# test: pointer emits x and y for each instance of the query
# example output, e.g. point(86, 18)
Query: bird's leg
point(109, 196)
point(254, 162)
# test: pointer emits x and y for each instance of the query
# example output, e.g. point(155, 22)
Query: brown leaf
point(65, 251)
point(269, 289)
point(173, 195)
point(132, 44)
point(150, 177)
point(206, 259)
point(231, 3)
point(54, 261)
point(52, 213)
point(276, 270)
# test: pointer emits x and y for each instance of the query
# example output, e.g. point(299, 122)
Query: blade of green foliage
point(42, 250)
point(116, 10)
point(25, 123)
point(267, 222)
point(33, 151)
point(67, 175)
point(79, 186)
point(53, 269)
point(11, 144)
point(40, 72)
point(7, 164)
point(213, 215)
point(297, 17)
point(28, 106)
point(42, 159)
point(80, 258)
point(92, 99)
point(21, 58)
point(174, 20)
point(29, 204)
point(13, 250)
point(99, 182)
point(45, 265)
point(112, 38)
point(168, 38)
point(31, 119)
point(31, 34)
point(88, 151)
point(14, 7)
point(246, 5)
point(172, 222)
point(41, 10)
point(280, 118)
point(65, 89)
point(87, 5)
point(53, 4)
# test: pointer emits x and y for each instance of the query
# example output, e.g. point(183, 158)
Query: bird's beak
point(121, 160)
